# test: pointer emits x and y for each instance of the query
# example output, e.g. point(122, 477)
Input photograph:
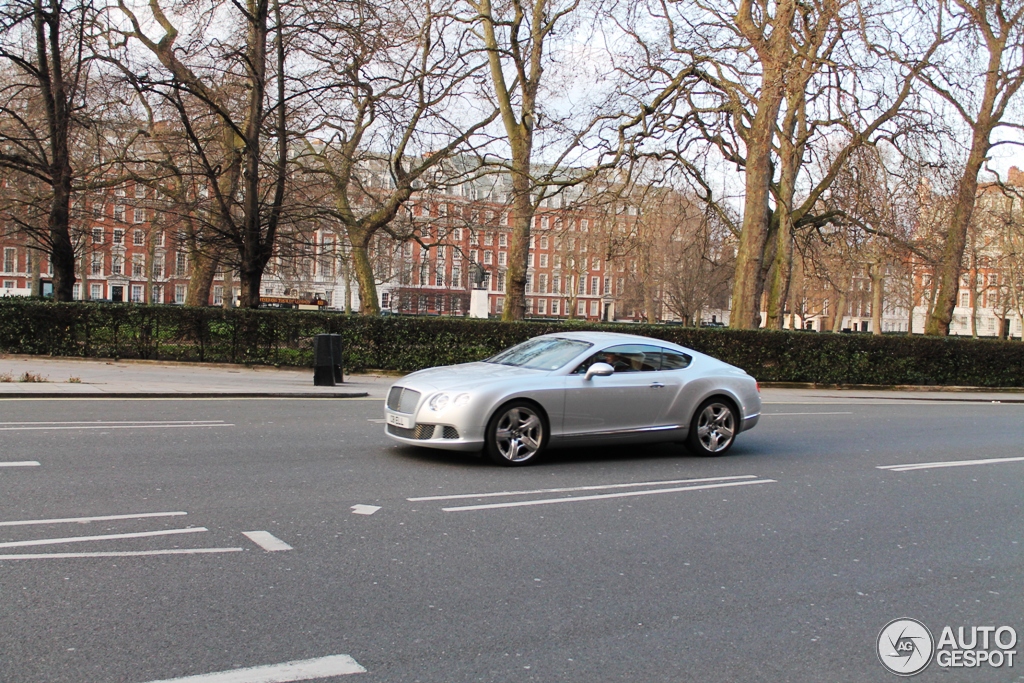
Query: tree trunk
point(837, 323)
point(748, 281)
point(877, 296)
point(201, 280)
point(368, 304)
point(519, 249)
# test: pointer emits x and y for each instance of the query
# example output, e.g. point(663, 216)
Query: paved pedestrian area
point(43, 376)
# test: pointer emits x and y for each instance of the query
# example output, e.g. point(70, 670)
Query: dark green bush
point(270, 337)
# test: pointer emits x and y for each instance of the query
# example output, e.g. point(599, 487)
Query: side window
point(674, 360)
point(626, 358)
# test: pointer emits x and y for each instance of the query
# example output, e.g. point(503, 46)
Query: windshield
point(545, 353)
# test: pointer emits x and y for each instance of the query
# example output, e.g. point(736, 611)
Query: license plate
point(399, 421)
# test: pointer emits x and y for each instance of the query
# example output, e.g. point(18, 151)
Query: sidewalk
point(95, 378)
point(101, 378)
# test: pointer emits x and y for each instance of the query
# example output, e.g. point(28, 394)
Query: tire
point(517, 434)
point(713, 427)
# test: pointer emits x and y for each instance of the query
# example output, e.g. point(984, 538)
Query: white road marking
point(364, 509)
point(113, 422)
point(21, 463)
point(130, 553)
point(299, 670)
point(139, 425)
point(378, 421)
point(84, 520)
point(267, 541)
point(950, 463)
point(625, 494)
point(847, 412)
point(583, 488)
point(106, 537)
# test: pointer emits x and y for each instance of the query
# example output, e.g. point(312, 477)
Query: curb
point(894, 387)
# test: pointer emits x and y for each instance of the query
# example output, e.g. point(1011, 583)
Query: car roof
point(596, 337)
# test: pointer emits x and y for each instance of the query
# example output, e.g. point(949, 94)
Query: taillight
point(758, 386)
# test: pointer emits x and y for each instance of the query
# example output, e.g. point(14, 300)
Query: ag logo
point(905, 647)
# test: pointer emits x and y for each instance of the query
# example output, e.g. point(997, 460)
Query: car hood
point(466, 376)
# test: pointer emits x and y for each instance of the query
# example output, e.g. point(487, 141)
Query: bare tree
point(979, 79)
point(48, 74)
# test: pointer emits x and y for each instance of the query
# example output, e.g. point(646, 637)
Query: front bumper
point(443, 436)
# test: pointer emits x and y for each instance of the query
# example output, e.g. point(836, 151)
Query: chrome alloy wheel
point(716, 427)
point(518, 434)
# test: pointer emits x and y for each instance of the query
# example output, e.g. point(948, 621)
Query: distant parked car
point(575, 388)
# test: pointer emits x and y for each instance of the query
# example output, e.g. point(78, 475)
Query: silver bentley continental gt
point(575, 388)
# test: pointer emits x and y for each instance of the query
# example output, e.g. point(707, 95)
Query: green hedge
point(269, 337)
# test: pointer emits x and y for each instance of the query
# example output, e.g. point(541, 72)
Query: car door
point(672, 376)
point(629, 399)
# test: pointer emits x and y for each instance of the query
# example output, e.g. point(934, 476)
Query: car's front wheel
point(516, 434)
point(713, 428)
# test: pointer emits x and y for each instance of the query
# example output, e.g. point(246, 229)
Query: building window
point(158, 265)
point(117, 265)
point(385, 300)
point(118, 236)
point(543, 260)
point(593, 286)
point(97, 235)
point(488, 258)
point(502, 239)
point(542, 283)
point(179, 294)
point(136, 294)
point(499, 305)
point(529, 282)
point(593, 308)
point(218, 295)
point(596, 263)
point(119, 191)
point(474, 239)
point(139, 215)
point(76, 291)
point(138, 238)
point(607, 285)
point(96, 291)
point(456, 277)
point(119, 212)
point(138, 265)
point(489, 239)
point(180, 265)
point(529, 306)
point(10, 260)
point(156, 294)
point(554, 307)
point(556, 285)
point(501, 281)
point(544, 242)
point(502, 258)
point(965, 299)
point(581, 308)
point(542, 306)
point(97, 264)
point(140, 191)
point(424, 273)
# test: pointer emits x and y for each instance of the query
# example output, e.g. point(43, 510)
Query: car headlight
point(439, 402)
point(442, 401)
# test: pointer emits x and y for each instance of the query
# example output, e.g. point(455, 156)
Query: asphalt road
point(783, 566)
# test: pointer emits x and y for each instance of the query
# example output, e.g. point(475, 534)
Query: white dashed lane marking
point(84, 520)
point(364, 509)
point(139, 424)
point(641, 489)
point(267, 541)
point(299, 670)
point(126, 553)
point(950, 463)
point(105, 537)
point(20, 463)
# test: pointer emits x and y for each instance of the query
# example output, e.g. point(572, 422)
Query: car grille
point(403, 400)
point(450, 432)
point(419, 432)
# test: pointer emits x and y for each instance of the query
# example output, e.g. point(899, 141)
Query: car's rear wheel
point(516, 434)
point(713, 428)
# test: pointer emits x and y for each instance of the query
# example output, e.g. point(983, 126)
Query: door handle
point(657, 385)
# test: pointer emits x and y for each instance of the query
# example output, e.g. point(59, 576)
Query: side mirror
point(599, 370)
